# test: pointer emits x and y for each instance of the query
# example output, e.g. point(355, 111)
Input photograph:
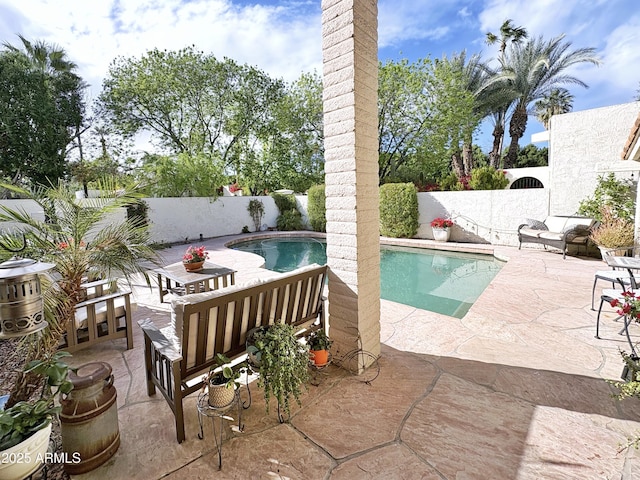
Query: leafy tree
point(557, 101)
point(404, 114)
point(40, 108)
point(190, 102)
point(182, 175)
point(532, 156)
point(534, 69)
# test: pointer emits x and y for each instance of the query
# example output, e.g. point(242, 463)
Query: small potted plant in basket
point(441, 229)
point(319, 345)
point(222, 381)
point(194, 258)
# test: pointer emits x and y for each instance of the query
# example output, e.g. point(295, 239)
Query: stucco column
point(350, 79)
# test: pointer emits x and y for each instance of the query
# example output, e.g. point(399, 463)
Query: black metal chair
point(608, 295)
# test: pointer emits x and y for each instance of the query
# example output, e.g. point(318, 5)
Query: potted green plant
point(222, 380)
point(283, 363)
point(25, 427)
point(319, 345)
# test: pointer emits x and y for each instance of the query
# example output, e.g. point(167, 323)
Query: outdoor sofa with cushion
point(557, 231)
point(204, 324)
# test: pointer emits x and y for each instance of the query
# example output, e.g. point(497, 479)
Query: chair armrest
point(159, 341)
point(103, 298)
point(578, 230)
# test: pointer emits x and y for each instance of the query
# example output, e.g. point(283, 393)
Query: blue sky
point(284, 38)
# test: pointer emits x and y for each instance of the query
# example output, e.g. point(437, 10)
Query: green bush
point(451, 182)
point(398, 210)
point(284, 202)
point(488, 178)
point(316, 208)
point(289, 220)
point(616, 196)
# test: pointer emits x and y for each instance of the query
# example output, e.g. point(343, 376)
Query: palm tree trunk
point(517, 127)
point(457, 164)
point(494, 156)
point(467, 158)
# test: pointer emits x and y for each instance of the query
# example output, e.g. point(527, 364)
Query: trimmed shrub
point(289, 220)
point(488, 178)
point(398, 210)
point(284, 202)
point(316, 208)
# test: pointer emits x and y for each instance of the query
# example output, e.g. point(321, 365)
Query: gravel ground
point(10, 363)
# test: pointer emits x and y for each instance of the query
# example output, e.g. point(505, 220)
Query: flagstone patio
point(514, 390)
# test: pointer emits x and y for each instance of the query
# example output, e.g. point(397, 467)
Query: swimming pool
point(439, 281)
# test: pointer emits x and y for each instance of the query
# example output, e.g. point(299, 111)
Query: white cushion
point(555, 224)
point(101, 312)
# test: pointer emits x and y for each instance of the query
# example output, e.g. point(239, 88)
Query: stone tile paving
point(514, 390)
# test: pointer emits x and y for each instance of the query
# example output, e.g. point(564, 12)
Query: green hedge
point(284, 202)
point(316, 208)
point(398, 210)
point(289, 218)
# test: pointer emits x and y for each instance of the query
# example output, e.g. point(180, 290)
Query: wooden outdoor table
point(211, 277)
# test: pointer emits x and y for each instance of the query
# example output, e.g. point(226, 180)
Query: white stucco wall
point(489, 216)
point(185, 219)
point(579, 144)
point(541, 173)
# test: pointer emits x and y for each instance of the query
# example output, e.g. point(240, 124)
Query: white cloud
point(272, 38)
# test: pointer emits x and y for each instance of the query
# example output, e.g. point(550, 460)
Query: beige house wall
point(582, 146)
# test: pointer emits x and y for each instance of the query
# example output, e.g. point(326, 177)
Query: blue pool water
point(434, 280)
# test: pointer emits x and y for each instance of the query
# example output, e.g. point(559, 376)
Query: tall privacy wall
point(480, 217)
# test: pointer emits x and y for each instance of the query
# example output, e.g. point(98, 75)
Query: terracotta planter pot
point(320, 357)
point(194, 266)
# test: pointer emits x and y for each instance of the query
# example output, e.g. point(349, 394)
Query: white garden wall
point(582, 145)
point(486, 216)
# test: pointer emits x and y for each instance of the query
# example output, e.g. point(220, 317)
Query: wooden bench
point(205, 324)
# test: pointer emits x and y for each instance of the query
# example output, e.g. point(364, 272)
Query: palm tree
point(508, 33)
point(45, 57)
point(473, 74)
point(81, 239)
point(556, 102)
point(502, 97)
point(533, 70)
